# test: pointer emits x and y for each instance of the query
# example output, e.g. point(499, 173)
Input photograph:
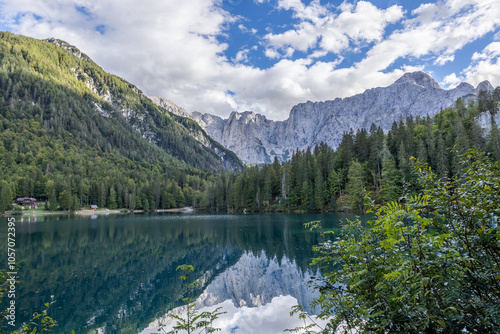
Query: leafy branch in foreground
point(429, 264)
point(194, 319)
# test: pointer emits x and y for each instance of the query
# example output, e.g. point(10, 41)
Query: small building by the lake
point(27, 201)
point(93, 207)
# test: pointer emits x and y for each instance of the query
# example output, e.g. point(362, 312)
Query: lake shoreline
point(89, 212)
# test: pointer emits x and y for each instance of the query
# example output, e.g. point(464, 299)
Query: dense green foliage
point(366, 161)
point(430, 264)
point(70, 129)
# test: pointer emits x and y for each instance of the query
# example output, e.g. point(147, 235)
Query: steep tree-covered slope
point(34, 64)
point(69, 126)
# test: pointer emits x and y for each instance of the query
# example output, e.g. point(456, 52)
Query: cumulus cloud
point(242, 56)
point(435, 29)
point(451, 81)
point(485, 65)
point(355, 24)
point(443, 59)
point(174, 48)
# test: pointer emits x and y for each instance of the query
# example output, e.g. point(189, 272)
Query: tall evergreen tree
point(441, 160)
point(5, 197)
point(494, 142)
point(355, 187)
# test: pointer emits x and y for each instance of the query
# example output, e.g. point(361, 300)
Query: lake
point(117, 274)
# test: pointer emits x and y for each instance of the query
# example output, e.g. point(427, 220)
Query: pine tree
point(441, 160)
point(102, 195)
point(494, 142)
point(403, 162)
point(356, 186)
point(391, 189)
point(51, 193)
point(112, 198)
point(319, 193)
point(65, 200)
point(422, 152)
point(5, 197)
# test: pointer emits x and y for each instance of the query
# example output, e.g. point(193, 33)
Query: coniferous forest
point(368, 161)
point(68, 138)
point(73, 135)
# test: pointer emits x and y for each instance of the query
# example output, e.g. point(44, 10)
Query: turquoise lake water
point(117, 274)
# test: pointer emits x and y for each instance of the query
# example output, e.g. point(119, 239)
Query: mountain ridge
point(256, 139)
point(140, 113)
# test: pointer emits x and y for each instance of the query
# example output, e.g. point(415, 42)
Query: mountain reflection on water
point(118, 274)
point(256, 293)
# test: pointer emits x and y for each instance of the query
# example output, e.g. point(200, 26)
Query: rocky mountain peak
point(485, 85)
point(419, 78)
point(68, 47)
point(256, 139)
point(170, 106)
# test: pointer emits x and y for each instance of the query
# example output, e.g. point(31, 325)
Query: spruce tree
point(493, 146)
point(112, 198)
point(391, 178)
point(356, 186)
point(441, 160)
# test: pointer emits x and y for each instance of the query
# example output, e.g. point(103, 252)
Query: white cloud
point(355, 24)
point(451, 81)
point(313, 12)
point(492, 51)
point(171, 48)
point(242, 56)
point(440, 28)
point(302, 39)
point(443, 59)
point(273, 54)
point(485, 66)
point(244, 29)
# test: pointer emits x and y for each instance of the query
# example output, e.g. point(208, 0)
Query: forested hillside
point(324, 179)
point(77, 135)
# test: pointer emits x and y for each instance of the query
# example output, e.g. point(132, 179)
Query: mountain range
point(256, 139)
point(161, 130)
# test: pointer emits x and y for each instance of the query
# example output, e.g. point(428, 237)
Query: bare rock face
point(254, 138)
point(169, 106)
point(229, 159)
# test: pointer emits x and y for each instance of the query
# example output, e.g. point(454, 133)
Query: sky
point(219, 56)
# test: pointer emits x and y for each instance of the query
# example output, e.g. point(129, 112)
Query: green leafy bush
point(430, 264)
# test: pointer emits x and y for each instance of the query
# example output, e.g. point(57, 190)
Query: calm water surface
point(117, 274)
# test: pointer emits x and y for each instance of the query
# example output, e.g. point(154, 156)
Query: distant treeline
point(324, 179)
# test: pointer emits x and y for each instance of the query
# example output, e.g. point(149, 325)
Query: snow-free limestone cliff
point(254, 138)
